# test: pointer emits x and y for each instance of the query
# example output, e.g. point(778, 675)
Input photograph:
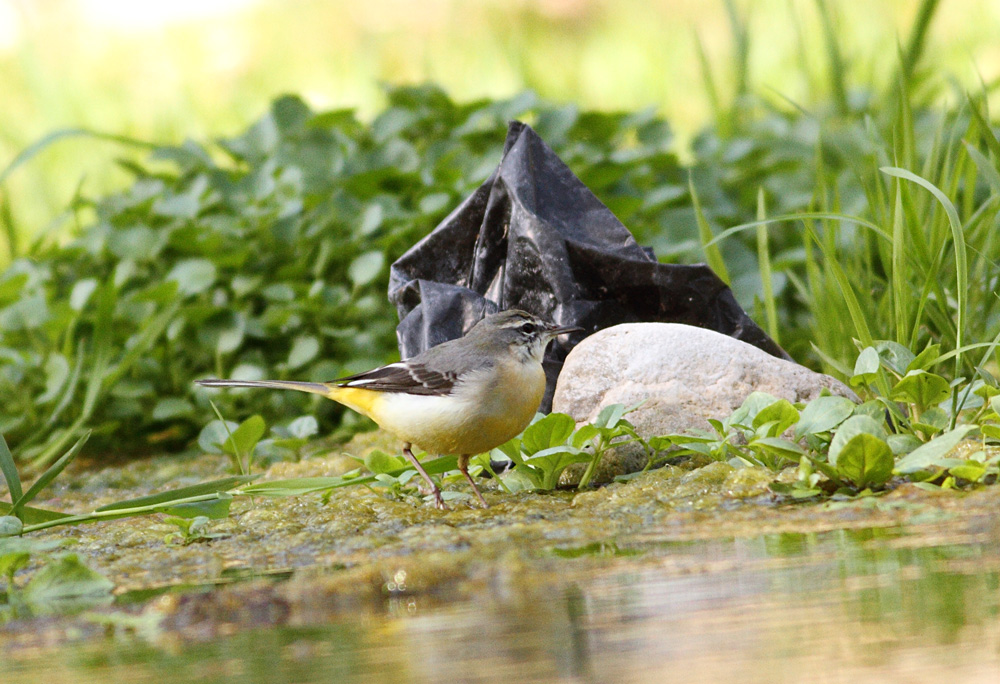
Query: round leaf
point(303, 427)
point(853, 426)
point(921, 388)
point(214, 435)
point(865, 460)
point(366, 268)
point(81, 292)
point(822, 414)
point(193, 276)
point(304, 350)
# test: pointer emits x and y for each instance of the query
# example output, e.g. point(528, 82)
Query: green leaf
point(610, 416)
point(214, 487)
point(866, 367)
point(366, 268)
point(822, 414)
point(245, 437)
point(781, 414)
point(921, 388)
point(57, 372)
point(584, 434)
point(970, 470)
point(781, 447)
point(10, 526)
point(12, 558)
point(303, 427)
point(929, 455)
point(309, 485)
point(31, 515)
point(925, 359)
point(894, 356)
point(193, 276)
point(751, 406)
point(304, 350)
point(81, 293)
point(903, 443)
point(552, 430)
point(50, 474)
point(933, 420)
point(379, 462)
point(214, 435)
point(865, 460)
point(172, 408)
point(850, 428)
point(9, 470)
point(215, 509)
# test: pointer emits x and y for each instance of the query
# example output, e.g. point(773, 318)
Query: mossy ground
point(364, 550)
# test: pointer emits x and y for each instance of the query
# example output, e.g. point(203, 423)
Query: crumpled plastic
point(534, 237)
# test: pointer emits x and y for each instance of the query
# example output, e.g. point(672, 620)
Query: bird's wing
point(405, 377)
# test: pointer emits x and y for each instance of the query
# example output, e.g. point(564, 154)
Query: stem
point(118, 513)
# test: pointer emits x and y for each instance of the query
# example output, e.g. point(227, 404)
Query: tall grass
point(900, 239)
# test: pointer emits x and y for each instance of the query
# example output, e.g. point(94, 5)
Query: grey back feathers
point(437, 370)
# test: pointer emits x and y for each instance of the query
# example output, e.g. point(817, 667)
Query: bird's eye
point(529, 328)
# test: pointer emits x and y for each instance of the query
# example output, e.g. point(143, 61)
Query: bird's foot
point(434, 491)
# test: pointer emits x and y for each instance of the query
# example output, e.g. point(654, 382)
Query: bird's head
point(524, 333)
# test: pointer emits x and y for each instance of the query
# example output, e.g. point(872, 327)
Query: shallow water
point(875, 604)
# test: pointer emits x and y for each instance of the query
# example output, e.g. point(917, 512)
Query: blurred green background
point(200, 69)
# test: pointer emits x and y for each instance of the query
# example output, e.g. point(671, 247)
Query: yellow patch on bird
point(365, 401)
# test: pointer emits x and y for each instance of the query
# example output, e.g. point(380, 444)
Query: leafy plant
point(909, 427)
point(263, 255)
point(191, 530)
point(553, 443)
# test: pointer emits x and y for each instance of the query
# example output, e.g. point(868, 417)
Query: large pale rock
point(684, 374)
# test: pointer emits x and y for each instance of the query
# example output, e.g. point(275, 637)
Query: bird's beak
point(555, 330)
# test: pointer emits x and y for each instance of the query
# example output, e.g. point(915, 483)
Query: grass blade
point(45, 478)
point(915, 46)
point(958, 237)
point(31, 151)
point(837, 70)
point(9, 470)
point(214, 487)
point(900, 298)
point(713, 255)
point(33, 516)
point(766, 276)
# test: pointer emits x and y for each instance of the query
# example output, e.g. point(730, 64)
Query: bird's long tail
point(311, 387)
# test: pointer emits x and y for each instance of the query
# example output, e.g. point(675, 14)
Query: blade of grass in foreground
point(45, 478)
point(9, 470)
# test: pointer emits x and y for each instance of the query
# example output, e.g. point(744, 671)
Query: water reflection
point(869, 605)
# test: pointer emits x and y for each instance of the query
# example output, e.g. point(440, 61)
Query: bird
point(462, 397)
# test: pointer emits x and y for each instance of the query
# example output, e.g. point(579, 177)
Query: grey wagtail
point(463, 397)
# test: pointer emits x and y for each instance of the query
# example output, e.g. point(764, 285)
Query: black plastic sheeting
point(534, 237)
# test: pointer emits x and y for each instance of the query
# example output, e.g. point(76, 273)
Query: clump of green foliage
point(908, 429)
point(262, 255)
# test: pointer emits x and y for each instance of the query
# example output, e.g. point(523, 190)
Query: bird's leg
point(438, 501)
point(463, 465)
